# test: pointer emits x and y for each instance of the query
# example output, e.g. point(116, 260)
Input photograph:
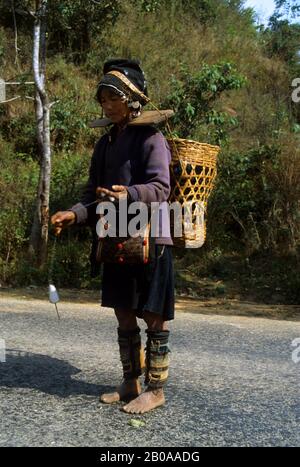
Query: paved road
point(232, 382)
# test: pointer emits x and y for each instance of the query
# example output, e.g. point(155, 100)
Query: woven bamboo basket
point(192, 172)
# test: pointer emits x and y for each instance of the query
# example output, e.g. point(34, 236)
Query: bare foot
point(126, 391)
point(149, 400)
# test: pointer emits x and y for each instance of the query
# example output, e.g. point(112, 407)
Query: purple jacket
point(138, 158)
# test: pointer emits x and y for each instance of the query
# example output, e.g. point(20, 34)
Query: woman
point(132, 162)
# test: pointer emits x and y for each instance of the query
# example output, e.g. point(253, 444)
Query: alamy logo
point(2, 351)
point(296, 352)
point(296, 92)
point(132, 220)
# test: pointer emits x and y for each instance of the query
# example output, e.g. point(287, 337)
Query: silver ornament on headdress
point(134, 105)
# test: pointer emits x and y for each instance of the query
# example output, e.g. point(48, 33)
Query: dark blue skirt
point(142, 287)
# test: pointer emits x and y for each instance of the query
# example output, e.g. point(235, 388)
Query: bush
point(193, 97)
point(256, 199)
point(18, 180)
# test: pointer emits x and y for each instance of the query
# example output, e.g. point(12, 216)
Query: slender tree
point(39, 232)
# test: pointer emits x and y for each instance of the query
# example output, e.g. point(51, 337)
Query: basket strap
point(129, 84)
point(170, 135)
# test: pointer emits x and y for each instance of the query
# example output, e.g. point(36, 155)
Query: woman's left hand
point(120, 192)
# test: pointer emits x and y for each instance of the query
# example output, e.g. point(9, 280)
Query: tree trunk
point(39, 232)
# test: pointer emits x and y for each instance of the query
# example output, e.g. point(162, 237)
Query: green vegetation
point(230, 83)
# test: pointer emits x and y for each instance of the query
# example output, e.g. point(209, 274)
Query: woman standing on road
point(132, 162)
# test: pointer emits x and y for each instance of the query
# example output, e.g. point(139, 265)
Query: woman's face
point(113, 106)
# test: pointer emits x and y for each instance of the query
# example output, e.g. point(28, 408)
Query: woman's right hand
point(61, 220)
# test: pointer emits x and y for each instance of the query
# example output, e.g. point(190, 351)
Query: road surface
point(233, 381)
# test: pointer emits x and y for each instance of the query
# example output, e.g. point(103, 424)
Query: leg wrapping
point(157, 358)
point(131, 353)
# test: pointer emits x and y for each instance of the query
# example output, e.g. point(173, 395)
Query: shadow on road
point(44, 373)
